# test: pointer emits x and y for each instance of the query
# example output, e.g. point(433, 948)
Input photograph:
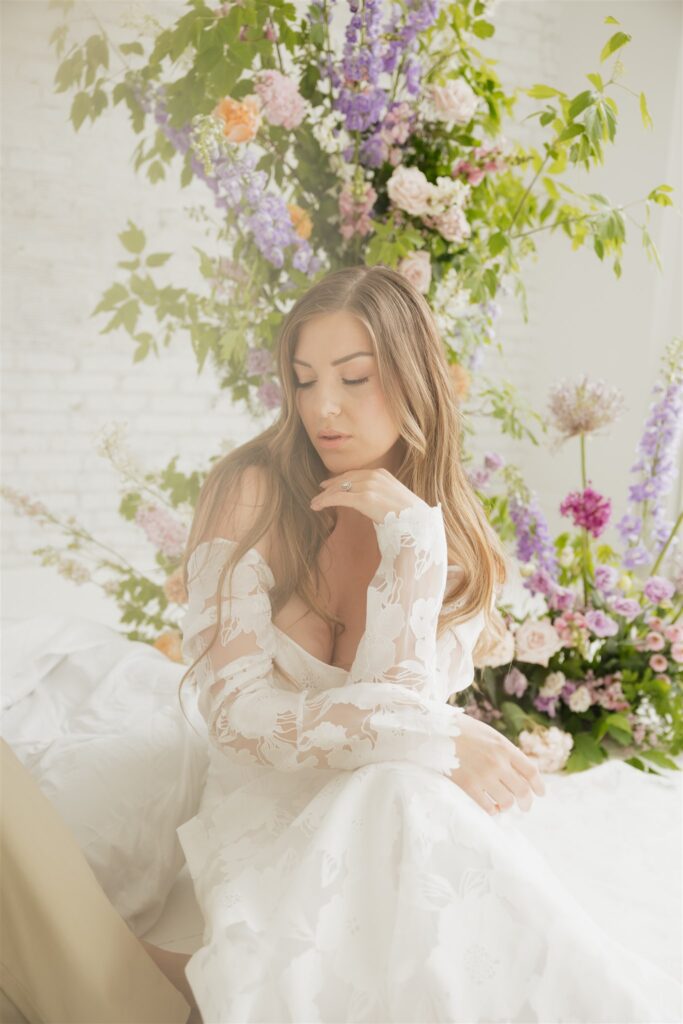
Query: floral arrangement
point(388, 149)
point(598, 664)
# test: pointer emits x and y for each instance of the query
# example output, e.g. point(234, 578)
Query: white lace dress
point(341, 874)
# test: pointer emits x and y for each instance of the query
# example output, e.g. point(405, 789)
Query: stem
point(585, 540)
point(671, 536)
point(569, 220)
point(528, 190)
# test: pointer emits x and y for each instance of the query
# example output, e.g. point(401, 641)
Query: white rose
point(580, 699)
point(549, 748)
point(409, 189)
point(454, 102)
point(501, 653)
point(417, 268)
point(536, 642)
point(453, 225)
point(553, 684)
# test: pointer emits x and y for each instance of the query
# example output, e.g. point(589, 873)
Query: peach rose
point(170, 643)
point(417, 268)
point(409, 189)
point(241, 119)
point(174, 588)
point(536, 642)
point(300, 219)
point(461, 380)
point(549, 748)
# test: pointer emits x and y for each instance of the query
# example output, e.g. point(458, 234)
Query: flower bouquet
point(597, 669)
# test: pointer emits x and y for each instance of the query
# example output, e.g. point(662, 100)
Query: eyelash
point(307, 384)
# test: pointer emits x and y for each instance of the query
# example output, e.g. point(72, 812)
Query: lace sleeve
point(404, 600)
point(251, 718)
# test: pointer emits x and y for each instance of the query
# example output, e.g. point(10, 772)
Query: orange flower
point(241, 120)
point(461, 380)
point(300, 220)
point(174, 588)
point(169, 643)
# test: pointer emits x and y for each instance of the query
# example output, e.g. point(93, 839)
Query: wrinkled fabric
point(342, 875)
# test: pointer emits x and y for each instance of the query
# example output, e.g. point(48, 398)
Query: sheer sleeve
point(252, 718)
point(404, 600)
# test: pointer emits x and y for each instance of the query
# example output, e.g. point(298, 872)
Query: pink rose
point(455, 102)
point(417, 268)
point(658, 663)
point(453, 225)
point(536, 642)
point(654, 642)
point(677, 651)
point(409, 189)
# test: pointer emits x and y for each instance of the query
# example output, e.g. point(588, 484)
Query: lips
point(331, 436)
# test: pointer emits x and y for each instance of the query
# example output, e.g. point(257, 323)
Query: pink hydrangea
point(587, 509)
point(282, 103)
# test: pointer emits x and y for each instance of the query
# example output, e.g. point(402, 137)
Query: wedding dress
point(341, 874)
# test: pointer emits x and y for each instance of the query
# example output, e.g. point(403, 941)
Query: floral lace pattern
point(386, 708)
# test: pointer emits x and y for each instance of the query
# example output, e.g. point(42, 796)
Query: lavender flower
point(658, 589)
point(627, 607)
point(645, 535)
point(600, 624)
point(533, 535)
point(606, 577)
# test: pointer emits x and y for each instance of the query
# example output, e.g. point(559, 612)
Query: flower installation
point(387, 149)
point(599, 668)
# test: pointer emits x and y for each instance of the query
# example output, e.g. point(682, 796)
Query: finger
point(528, 770)
point(519, 787)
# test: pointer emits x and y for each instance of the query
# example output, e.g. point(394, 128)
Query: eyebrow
point(336, 362)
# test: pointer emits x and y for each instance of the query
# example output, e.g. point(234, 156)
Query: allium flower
point(549, 748)
point(600, 624)
point(583, 407)
point(587, 509)
point(658, 589)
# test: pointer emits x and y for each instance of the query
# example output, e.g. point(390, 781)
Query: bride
point(348, 853)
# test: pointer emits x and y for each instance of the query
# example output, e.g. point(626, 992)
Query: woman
point(346, 856)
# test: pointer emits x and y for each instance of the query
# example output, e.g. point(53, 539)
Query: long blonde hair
point(413, 373)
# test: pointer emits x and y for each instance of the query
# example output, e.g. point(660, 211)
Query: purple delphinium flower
point(600, 624)
point(533, 535)
point(658, 589)
point(588, 509)
point(655, 468)
point(238, 186)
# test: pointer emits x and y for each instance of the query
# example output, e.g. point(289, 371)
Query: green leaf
point(609, 20)
point(80, 108)
point(660, 758)
point(571, 131)
point(542, 92)
point(131, 48)
point(133, 239)
point(111, 298)
point(157, 259)
point(597, 81)
point(618, 40)
point(585, 752)
point(482, 29)
point(580, 102)
point(497, 243)
point(644, 112)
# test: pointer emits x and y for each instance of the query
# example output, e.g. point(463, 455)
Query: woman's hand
point(491, 763)
point(374, 492)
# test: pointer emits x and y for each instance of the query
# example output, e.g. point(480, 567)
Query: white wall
point(67, 195)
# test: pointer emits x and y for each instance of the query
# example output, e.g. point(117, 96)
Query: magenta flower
point(658, 589)
point(600, 624)
point(587, 509)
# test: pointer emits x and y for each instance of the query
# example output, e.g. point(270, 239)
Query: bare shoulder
point(240, 508)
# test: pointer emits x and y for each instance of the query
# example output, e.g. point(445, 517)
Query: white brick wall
point(67, 195)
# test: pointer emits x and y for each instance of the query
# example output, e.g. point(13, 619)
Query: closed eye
point(307, 384)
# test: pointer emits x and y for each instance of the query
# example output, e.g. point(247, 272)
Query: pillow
point(95, 718)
